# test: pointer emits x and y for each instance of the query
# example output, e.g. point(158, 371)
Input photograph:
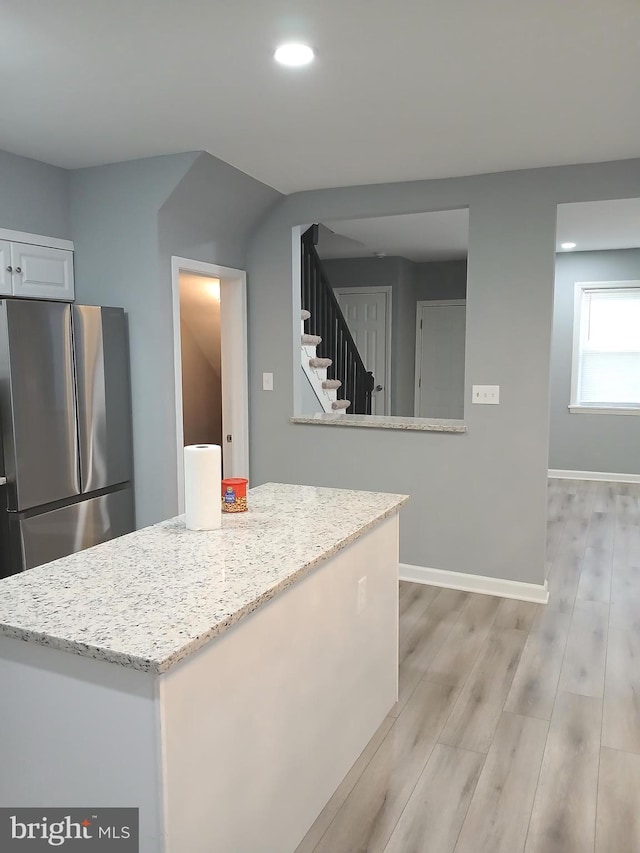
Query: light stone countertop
point(150, 598)
point(382, 422)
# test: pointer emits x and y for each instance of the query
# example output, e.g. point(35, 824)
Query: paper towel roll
point(202, 478)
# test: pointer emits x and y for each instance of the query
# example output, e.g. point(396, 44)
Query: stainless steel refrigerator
point(65, 413)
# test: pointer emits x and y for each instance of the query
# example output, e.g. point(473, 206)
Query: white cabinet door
point(6, 283)
point(42, 273)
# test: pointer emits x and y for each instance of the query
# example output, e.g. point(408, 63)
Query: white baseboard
point(476, 583)
point(561, 474)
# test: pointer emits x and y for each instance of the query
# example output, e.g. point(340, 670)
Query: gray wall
point(398, 274)
point(127, 221)
point(405, 347)
point(609, 443)
point(211, 214)
point(441, 280)
point(479, 500)
point(114, 217)
point(34, 197)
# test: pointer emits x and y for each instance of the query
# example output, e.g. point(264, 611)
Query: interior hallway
point(518, 724)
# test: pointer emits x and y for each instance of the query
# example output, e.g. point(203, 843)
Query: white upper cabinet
point(6, 269)
point(36, 267)
point(41, 272)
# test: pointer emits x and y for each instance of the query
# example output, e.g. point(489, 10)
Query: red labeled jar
point(234, 494)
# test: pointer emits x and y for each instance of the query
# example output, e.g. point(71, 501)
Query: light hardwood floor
point(517, 728)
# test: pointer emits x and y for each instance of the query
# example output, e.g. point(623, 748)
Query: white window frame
point(579, 306)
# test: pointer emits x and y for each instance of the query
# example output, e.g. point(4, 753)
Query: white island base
point(237, 747)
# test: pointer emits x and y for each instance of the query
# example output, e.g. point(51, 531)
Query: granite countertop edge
point(162, 665)
point(412, 424)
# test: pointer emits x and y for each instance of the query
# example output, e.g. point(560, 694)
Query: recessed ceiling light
point(294, 54)
point(567, 245)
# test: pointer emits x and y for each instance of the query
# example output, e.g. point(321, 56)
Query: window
point(606, 347)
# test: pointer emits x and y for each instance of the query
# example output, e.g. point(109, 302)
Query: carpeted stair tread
point(311, 340)
point(330, 384)
point(337, 405)
point(304, 314)
point(320, 363)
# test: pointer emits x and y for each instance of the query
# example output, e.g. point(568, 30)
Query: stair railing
point(327, 321)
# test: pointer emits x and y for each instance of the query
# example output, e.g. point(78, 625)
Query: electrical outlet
point(487, 394)
point(267, 381)
point(362, 595)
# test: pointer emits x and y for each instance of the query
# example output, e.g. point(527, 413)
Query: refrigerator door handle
point(89, 366)
point(104, 403)
point(74, 368)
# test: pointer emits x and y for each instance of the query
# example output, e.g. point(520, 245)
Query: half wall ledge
point(382, 422)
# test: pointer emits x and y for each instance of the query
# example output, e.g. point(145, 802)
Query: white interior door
point(368, 315)
point(440, 359)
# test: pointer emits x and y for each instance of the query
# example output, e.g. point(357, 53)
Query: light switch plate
point(487, 394)
point(267, 381)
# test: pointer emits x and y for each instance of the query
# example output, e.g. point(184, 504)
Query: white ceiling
point(439, 236)
point(444, 235)
point(600, 224)
point(399, 90)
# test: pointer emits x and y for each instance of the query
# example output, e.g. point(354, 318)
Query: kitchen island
point(222, 682)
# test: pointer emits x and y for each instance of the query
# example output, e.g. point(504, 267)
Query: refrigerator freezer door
point(104, 398)
point(37, 403)
point(73, 528)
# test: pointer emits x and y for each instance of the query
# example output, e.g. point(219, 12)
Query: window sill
point(602, 410)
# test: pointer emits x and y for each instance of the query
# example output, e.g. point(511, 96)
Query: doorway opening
point(210, 364)
point(595, 351)
point(348, 274)
point(201, 358)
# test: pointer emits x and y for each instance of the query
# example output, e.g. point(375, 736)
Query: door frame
point(388, 290)
point(234, 365)
point(420, 305)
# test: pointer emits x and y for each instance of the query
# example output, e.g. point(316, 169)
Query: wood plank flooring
point(517, 728)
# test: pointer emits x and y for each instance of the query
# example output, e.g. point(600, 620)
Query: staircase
point(329, 331)
point(315, 368)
